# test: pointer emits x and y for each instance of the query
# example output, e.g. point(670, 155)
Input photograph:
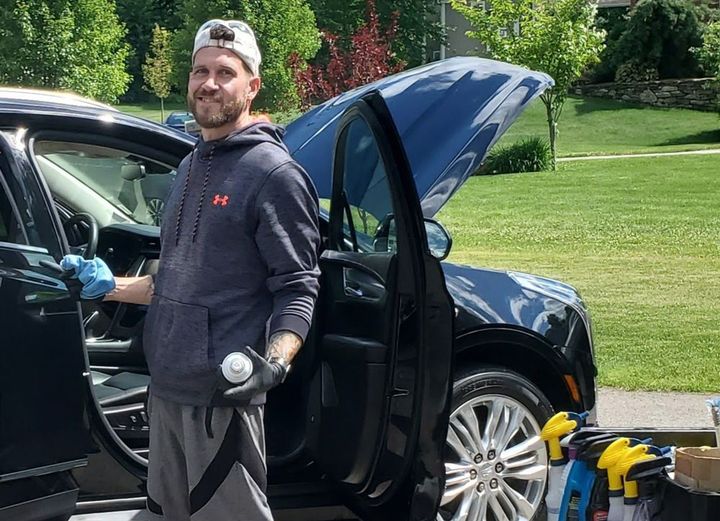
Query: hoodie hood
point(261, 132)
point(448, 114)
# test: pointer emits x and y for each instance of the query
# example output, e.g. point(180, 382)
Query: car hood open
point(448, 113)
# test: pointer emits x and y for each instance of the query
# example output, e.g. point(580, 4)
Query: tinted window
point(136, 186)
point(368, 223)
point(10, 227)
point(179, 118)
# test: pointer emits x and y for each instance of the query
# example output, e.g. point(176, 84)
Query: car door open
point(43, 381)
point(383, 329)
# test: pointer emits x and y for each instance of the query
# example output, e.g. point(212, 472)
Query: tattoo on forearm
point(284, 344)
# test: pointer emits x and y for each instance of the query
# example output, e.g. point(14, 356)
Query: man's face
point(220, 87)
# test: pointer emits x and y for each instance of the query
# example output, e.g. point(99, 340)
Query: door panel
point(43, 386)
point(381, 303)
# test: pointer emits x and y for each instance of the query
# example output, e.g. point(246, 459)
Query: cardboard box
point(698, 468)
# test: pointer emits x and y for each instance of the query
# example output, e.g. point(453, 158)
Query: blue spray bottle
point(581, 475)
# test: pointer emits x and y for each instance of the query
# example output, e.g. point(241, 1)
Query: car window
point(10, 230)
point(179, 118)
point(135, 185)
point(368, 216)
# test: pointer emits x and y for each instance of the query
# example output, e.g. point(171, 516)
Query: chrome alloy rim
point(155, 209)
point(495, 462)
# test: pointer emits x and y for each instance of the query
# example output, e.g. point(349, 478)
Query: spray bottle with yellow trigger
point(647, 475)
point(616, 473)
point(560, 425)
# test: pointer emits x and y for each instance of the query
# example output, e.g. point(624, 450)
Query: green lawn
point(596, 126)
point(152, 111)
point(640, 238)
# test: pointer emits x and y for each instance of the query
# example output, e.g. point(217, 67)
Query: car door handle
point(353, 290)
point(358, 284)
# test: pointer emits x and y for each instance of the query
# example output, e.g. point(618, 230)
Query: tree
point(282, 28)
point(417, 22)
point(557, 37)
point(64, 44)
point(658, 37)
point(158, 67)
point(139, 17)
point(709, 53)
point(368, 57)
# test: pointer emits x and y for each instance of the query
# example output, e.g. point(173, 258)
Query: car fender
point(525, 352)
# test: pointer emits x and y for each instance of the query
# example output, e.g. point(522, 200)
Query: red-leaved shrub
point(366, 57)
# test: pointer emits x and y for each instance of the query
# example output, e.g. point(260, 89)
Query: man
point(238, 267)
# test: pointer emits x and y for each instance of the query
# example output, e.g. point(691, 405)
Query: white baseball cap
point(230, 34)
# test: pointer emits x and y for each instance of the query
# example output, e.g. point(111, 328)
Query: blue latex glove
point(96, 277)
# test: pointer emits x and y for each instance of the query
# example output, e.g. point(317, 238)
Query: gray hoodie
point(238, 261)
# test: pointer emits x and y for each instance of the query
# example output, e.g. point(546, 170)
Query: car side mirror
point(132, 171)
point(438, 238)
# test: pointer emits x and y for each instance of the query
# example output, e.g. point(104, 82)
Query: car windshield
point(134, 185)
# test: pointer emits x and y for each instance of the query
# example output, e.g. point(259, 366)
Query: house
point(458, 44)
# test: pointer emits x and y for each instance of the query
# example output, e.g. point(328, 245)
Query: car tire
point(500, 462)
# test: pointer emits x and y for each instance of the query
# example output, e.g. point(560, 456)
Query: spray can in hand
point(236, 368)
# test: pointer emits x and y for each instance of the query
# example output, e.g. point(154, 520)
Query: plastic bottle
point(580, 475)
point(599, 505)
point(560, 425)
point(647, 474)
point(236, 368)
point(615, 480)
point(630, 487)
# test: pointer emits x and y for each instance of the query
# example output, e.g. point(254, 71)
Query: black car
point(423, 385)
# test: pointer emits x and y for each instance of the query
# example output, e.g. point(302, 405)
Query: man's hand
point(94, 276)
point(266, 375)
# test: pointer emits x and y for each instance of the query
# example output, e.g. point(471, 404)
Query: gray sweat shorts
point(206, 467)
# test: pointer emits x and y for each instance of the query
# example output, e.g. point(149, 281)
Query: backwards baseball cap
point(233, 35)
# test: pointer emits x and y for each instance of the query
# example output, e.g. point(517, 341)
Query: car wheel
point(155, 208)
point(495, 461)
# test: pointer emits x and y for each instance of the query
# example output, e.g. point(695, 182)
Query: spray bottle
point(599, 506)
point(560, 425)
point(647, 474)
point(580, 476)
point(630, 487)
point(615, 480)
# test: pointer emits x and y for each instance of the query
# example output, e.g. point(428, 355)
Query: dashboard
point(130, 250)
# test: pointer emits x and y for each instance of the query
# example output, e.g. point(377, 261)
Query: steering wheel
point(71, 227)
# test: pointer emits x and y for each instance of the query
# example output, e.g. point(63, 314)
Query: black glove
point(266, 375)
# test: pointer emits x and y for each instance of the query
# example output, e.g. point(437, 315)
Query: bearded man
point(238, 272)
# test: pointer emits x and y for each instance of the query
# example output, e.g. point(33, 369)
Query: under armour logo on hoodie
point(220, 200)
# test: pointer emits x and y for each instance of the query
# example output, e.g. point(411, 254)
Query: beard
point(215, 118)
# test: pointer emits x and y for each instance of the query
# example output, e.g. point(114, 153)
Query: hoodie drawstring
point(184, 196)
point(202, 194)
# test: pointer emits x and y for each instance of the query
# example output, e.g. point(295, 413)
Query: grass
point(640, 238)
point(151, 111)
point(591, 126)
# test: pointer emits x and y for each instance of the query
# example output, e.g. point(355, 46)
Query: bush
point(366, 57)
point(527, 155)
point(709, 54)
point(659, 36)
point(632, 72)
point(612, 20)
